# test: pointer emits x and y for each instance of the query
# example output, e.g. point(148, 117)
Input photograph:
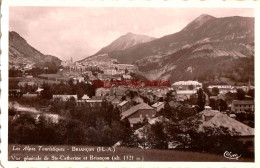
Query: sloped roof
point(65, 97)
point(85, 97)
point(243, 102)
point(221, 120)
point(134, 109)
point(186, 91)
point(157, 104)
point(187, 83)
point(174, 104)
point(122, 103)
point(157, 119)
point(225, 121)
point(137, 99)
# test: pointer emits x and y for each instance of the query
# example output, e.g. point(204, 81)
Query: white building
point(110, 72)
point(185, 85)
point(158, 106)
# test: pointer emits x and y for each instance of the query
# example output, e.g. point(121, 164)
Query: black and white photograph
point(131, 84)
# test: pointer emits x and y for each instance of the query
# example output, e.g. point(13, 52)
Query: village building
point(94, 103)
point(222, 88)
point(65, 97)
point(123, 106)
point(22, 84)
point(102, 91)
point(137, 100)
point(182, 95)
point(137, 113)
point(158, 106)
point(216, 119)
point(115, 101)
point(110, 72)
point(186, 85)
point(174, 104)
point(129, 67)
point(213, 118)
point(127, 77)
point(30, 95)
point(243, 106)
point(85, 97)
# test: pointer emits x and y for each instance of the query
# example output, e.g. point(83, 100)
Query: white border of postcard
point(123, 3)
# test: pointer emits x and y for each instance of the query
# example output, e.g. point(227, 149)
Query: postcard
point(129, 84)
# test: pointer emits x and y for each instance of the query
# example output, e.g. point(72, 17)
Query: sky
point(79, 32)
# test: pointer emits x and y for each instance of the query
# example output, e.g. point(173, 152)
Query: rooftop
point(219, 120)
point(243, 102)
point(157, 104)
point(187, 83)
point(122, 103)
point(134, 109)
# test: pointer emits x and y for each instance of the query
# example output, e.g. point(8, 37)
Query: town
point(122, 113)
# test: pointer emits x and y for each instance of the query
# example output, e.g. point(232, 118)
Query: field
point(125, 154)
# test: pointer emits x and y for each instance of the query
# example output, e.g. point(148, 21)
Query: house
point(109, 71)
point(137, 113)
point(185, 85)
point(65, 97)
point(158, 106)
point(14, 93)
point(30, 95)
point(216, 119)
point(242, 106)
point(123, 106)
point(127, 76)
point(94, 103)
point(85, 97)
point(137, 100)
point(22, 84)
point(102, 91)
point(182, 95)
point(222, 88)
point(39, 90)
point(119, 92)
point(174, 104)
point(115, 101)
point(207, 108)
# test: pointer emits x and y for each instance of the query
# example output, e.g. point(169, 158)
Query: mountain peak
point(204, 16)
point(199, 21)
point(129, 33)
point(202, 19)
point(125, 41)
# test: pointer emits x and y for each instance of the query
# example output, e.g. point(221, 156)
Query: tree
point(251, 93)
point(201, 101)
point(240, 94)
point(126, 71)
point(222, 105)
point(157, 137)
point(215, 91)
point(80, 93)
point(71, 103)
point(47, 92)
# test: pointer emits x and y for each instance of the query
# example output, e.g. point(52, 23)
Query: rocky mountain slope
point(123, 42)
point(208, 47)
point(22, 52)
point(204, 29)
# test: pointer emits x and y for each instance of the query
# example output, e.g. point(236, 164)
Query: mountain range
point(21, 52)
point(208, 47)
